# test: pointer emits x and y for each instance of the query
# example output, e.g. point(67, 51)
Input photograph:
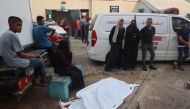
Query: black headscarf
point(64, 47)
point(130, 30)
point(133, 25)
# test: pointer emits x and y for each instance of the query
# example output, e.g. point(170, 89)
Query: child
point(12, 50)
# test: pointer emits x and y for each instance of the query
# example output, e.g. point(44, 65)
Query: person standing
point(86, 27)
point(147, 33)
point(183, 45)
point(131, 46)
point(82, 28)
point(114, 57)
point(40, 37)
point(76, 26)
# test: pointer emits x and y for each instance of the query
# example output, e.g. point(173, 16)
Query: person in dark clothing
point(131, 46)
point(86, 26)
point(114, 57)
point(183, 45)
point(82, 28)
point(147, 33)
point(63, 65)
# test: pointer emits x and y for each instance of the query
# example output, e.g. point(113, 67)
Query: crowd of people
point(81, 28)
point(125, 43)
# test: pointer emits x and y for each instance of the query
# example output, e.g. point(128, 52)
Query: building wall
point(156, 5)
point(38, 6)
point(95, 6)
point(124, 6)
point(145, 7)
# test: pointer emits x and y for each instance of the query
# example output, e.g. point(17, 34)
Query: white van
point(164, 41)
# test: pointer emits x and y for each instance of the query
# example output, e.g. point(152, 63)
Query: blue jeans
point(86, 37)
point(183, 54)
point(38, 65)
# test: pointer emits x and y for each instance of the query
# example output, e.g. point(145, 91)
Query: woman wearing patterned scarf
point(114, 57)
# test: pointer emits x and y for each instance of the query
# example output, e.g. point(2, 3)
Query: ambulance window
point(92, 23)
point(176, 23)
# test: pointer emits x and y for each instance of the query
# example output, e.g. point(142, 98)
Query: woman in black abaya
point(132, 37)
point(114, 57)
point(63, 65)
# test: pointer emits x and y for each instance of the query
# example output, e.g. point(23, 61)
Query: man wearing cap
point(183, 45)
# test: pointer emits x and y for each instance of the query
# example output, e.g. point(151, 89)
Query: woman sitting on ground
point(63, 65)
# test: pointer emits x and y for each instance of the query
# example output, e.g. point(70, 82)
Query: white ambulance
point(164, 41)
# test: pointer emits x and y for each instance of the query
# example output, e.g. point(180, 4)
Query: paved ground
point(161, 89)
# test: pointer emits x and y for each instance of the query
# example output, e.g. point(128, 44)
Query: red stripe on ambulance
point(157, 38)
